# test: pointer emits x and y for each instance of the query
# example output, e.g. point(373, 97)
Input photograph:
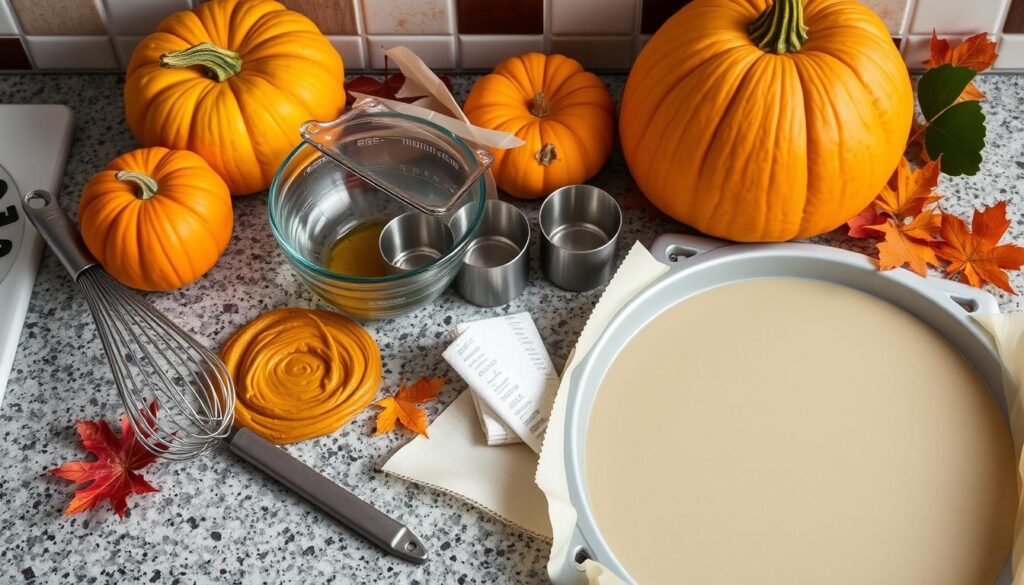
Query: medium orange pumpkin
point(564, 114)
point(766, 124)
point(156, 219)
point(232, 81)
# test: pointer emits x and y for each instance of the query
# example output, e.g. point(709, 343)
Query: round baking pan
point(700, 264)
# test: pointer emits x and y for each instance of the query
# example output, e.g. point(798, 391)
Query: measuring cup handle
point(58, 231)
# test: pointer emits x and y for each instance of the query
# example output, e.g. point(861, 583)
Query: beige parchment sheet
point(637, 271)
point(1007, 331)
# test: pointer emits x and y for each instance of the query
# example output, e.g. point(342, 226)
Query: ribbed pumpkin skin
point(754, 146)
point(243, 126)
point(168, 240)
point(580, 125)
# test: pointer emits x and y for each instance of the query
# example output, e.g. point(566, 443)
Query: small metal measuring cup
point(497, 263)
point(579, 225)
point(413, 240)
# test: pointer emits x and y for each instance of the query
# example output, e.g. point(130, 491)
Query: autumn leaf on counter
point(976, 254)
point(909, 191)
point(113, 475)
point(976, 53)
point(908, 244)
point(861, 225)
point(403, 406)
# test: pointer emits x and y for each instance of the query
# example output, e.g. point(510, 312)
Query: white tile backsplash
point(437, 52)
point(125, 46)
point(1011, 53)
point(957, 17)
point(140, 17)
point(71, 52)
point(892, 13)
point(352, 51)
point(408, 17)
point(7, 26)
point(486, 51)
point(593, 17)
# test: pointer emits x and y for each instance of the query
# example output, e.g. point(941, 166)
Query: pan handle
point(671, 248)
point(972, 300)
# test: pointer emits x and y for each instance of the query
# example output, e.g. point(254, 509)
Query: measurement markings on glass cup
point(431, 149)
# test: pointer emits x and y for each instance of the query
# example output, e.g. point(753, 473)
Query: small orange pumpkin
point(156, 219)
point(232, 81)
point(564, 114)
point(759, 120)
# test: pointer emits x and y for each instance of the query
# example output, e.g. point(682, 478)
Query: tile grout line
point(22, 37)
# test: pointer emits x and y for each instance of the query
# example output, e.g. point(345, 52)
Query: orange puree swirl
point(301, 373)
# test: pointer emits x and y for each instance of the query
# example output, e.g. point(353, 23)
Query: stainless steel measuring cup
point(579, 226)
point(413, 240)
point(497, 263)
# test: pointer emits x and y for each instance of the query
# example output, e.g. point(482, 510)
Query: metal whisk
point(155, 363)
point(152, 357)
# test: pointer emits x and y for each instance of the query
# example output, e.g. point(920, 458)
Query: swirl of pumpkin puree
point(301, 373)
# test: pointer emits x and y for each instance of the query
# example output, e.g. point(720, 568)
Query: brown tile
point(12, 54)
point(1015, 18)
point(501, 17)
point(897, 41)
point(59, 17)
point(656, 12)
point(334, 17)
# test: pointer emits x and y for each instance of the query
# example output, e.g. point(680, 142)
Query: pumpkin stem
point(546, 155)
point(780, 28)
point(220, 64)
point(539, 105)
point(147, 186)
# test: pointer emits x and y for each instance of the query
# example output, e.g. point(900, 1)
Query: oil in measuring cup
point(357, 252)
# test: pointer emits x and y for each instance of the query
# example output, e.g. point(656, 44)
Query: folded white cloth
point(509, 372)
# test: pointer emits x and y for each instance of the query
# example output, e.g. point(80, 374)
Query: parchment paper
point(637, 271)
point(1008, 333)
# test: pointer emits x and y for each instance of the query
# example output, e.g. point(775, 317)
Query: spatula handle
point(343, 505)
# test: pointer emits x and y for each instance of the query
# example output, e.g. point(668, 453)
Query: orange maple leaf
point(404, 407)
point(976, 254)
point(908, 243)
point(977, 53)
point(909, 191)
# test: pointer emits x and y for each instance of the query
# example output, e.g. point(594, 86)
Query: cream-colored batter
point(788, 432)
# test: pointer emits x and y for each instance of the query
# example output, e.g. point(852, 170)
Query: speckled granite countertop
point(217, 519)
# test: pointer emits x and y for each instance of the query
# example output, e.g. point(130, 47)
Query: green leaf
point(958, 134)
point(940, 87)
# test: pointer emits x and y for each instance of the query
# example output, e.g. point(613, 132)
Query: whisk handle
point(58, 231)
point(376, 526)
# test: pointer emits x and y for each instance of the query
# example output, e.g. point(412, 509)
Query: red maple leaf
point(387, 88)
point(113, 475)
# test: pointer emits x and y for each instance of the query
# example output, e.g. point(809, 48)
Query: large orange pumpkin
point(156, 219)
point(766, 124)
point(232, 81)
point(564, 114)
